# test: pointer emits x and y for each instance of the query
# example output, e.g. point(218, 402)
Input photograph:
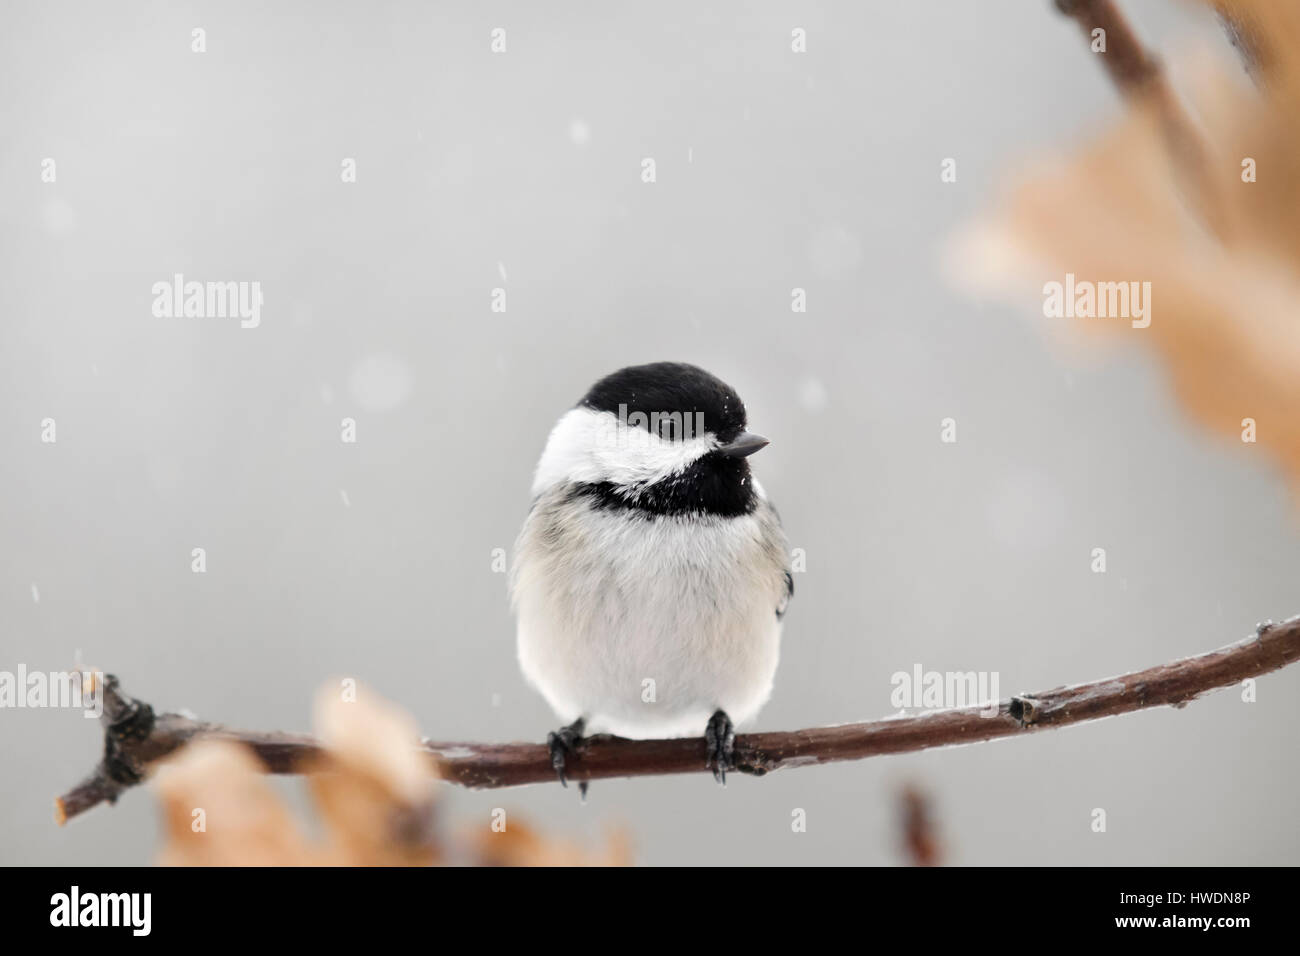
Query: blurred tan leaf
point(520, 845)
point(373, 789)
point(1225, 307)
point(218, 786)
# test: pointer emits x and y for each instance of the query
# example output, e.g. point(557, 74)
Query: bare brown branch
point(136, 738)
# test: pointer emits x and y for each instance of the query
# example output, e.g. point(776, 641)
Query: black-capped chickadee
point(651, 574)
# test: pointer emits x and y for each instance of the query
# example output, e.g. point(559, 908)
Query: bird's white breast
point(646, 626)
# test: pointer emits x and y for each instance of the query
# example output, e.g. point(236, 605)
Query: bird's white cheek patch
point(592, 447)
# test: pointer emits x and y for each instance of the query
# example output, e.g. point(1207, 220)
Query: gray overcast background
point(775, 170)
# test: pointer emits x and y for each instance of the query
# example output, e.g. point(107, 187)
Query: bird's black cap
point(665, 388)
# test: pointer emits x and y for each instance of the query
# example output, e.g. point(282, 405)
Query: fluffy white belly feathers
point(647, 626)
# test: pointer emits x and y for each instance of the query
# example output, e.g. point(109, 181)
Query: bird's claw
point(561, 743)
point(720, 740)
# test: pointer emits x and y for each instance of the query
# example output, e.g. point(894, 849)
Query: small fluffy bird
point(651, 575)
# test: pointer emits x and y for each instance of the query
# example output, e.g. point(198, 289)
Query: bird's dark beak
point(746, 443)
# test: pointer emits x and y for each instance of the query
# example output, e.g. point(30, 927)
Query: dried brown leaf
point(520, 845)
point(1224, 306)
point(219, 810)
point(373, 789)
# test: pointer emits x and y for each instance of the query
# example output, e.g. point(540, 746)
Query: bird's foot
point(563, 742)
point(720, 738)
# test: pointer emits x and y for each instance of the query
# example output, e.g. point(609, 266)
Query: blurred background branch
point(1140, 77)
